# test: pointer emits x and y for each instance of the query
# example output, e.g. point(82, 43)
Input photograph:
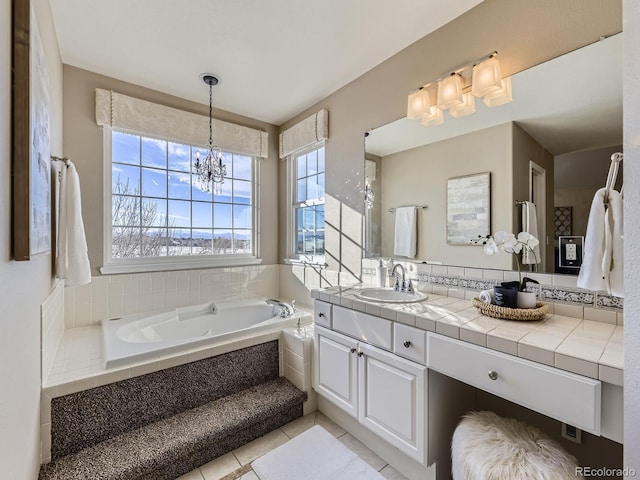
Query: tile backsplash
point(110, 296)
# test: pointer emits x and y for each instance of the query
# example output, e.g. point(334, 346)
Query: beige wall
point(24, 284)
point(526, 149)
point(419, 176)
point(83, 144)
point(525, 33)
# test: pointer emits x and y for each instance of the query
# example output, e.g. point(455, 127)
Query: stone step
point(171, 447)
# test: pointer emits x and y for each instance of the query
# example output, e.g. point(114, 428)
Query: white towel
point(406, 237)
point(72, 259)
point(530, 225)
point(603, 250)
point(486, 296)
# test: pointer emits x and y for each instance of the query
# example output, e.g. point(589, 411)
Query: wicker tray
point(522, 314)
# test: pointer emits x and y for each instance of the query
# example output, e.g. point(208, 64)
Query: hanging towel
point(72, 259)
point(602, 266)
point(530, 225)
point(406, 237)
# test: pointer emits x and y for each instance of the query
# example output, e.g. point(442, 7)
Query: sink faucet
point(287, 309)
point(401, 286)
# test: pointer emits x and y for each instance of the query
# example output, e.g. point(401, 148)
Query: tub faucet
point(286, 309)
point(401, 285)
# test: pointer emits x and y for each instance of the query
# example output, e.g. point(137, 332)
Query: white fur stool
point(488, 447)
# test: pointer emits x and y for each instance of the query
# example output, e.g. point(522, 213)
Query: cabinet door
point(336, 369)
point(392, 399)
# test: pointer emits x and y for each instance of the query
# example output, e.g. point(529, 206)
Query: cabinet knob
point(493, 375)
point(353, 349)
point(360, 354)
point(407, 344)
point(321, 314)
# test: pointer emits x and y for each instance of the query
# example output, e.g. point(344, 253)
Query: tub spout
point(286, 309)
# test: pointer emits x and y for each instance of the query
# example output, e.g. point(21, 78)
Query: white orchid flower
point(500, 236)
point(490, 247)
point(528, 239)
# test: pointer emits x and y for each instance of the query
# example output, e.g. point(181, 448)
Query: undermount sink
point(389, 295)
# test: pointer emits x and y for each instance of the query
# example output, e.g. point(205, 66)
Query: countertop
point(586, 347)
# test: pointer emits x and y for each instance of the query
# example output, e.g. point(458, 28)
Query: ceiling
point(275, 58)
point(568, 104)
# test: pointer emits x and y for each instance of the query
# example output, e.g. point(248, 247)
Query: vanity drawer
point(322, 313)
point(410, 342)
point(567, 397)
point(365, 327)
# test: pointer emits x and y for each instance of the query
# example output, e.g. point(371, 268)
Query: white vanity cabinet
point(386, 393)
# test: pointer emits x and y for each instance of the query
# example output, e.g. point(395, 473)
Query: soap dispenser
point(381, 274)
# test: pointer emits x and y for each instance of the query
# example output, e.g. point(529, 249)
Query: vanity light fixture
point(456, 91)
point(210, 170)
point(418, 104)
point(450, 91)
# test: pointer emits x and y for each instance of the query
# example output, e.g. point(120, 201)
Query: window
point(307, 179)
point(159, 214)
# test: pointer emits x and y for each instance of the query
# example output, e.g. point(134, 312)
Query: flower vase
point(527, 300)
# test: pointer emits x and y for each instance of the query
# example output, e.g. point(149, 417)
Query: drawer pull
point(407, 344)
point(361, 353)
point(321, 314)
point(353, 349)
point(493, 375)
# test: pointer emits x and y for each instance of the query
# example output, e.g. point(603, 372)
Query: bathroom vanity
point(375, 362)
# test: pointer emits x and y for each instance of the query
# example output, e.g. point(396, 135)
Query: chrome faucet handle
point(410, 287)
point(293, 306)
point(403, 288)
point(396, 287)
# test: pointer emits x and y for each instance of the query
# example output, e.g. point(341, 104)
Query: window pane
point(222, 242)
point(319, 216)
point(222, 215)
point(179, 213)
point(179, 185)
point(302, 190)
point(201, 212)
point(312, 162)
point(201, 243)
point(125, 148)
point(321, 160)
point(179, 241)
point(196, 190)
point(154, 242)
point(125, 180)
point(301, 170)
point(242, 241)
point(154, 212)
point(154, 183)
point(241, 167)
point(179, 157)
point(241, 216)
point(312, 188)
point(224, 192)
point(241, 192)
point(320, 242)
point(154, 153)
point(299, 218)
point(125, 242)
point(321, 186)
point(300, 241)
point(125, 210)
point(309, 218)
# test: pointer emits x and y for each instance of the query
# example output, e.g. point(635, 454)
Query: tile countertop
point(585, 347)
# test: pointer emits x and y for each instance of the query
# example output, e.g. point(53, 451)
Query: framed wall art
point(468, 208)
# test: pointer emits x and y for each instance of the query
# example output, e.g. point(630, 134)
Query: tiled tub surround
point(52, 326)
point(589, 348)
point(559, 291)
point(166, 423)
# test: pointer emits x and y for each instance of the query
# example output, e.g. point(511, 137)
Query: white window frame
point(292, 256)
point(149, 264)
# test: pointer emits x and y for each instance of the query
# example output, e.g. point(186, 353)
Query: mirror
point(551, 145)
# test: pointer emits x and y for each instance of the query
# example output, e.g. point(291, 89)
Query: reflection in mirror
point(550, 146)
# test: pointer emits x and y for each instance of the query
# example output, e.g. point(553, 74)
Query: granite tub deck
point(164, 424)
point(589, 348)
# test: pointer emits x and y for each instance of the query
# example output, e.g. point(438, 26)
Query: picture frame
point(468, 208)
point(30, 147)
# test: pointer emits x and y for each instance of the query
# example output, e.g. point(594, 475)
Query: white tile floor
point(240, 457)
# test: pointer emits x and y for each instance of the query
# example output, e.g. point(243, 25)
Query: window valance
point(148, 118)
point(305, 133)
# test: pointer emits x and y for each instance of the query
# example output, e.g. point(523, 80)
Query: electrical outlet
point(571, 433)
point(572, 251)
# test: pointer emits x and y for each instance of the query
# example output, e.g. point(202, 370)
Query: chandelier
point(210, 170)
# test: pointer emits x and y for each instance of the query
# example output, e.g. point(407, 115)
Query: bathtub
point(139, 337)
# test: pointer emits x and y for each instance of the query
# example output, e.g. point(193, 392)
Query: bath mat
point(313, 455)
